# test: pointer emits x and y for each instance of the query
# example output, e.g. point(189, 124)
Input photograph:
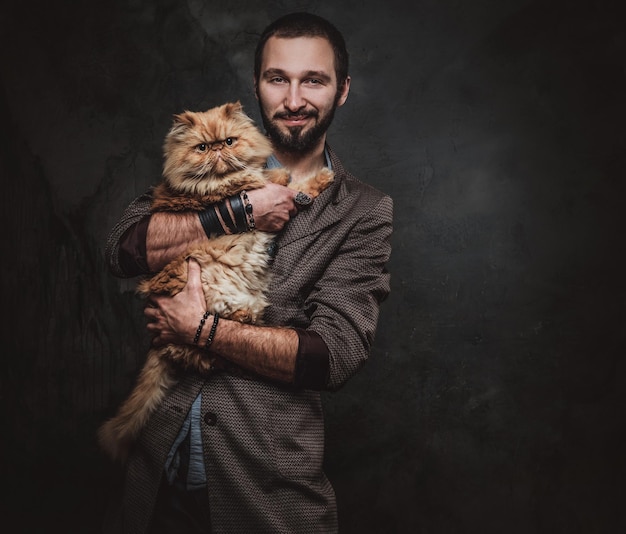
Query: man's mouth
point(294, 119)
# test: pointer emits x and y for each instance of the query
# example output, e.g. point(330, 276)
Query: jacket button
point(210, 418)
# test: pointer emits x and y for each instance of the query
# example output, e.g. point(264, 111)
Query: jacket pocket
point(298, 435)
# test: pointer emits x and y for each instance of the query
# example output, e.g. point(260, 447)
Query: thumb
point(193, 273)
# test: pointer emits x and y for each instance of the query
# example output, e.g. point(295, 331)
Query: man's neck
point(302, 165)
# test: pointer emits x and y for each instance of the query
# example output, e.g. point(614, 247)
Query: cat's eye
point(203, 147)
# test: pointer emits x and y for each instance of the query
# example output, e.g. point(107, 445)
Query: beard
point(296, 139)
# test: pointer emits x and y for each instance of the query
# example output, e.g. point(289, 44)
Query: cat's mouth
point(217, 172)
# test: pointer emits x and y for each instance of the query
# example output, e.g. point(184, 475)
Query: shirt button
point(210, 418)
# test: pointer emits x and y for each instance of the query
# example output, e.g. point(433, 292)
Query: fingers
point(150, 312)
point(293, 211)
point(153, 329)
point(273, 206)
point(153, 325)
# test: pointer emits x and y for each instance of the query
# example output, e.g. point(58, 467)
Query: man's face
point(297, 92)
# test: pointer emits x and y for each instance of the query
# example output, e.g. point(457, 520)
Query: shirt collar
point(273, 163)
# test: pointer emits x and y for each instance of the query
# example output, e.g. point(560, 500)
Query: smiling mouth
point(296, 120)
point(292, 117)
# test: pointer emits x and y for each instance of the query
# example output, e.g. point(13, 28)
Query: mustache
point(299, 114)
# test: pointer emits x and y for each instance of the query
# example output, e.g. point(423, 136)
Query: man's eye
point(313, 81)
point(230, 140)
point(202, 147)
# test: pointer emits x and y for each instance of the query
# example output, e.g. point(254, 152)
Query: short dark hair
point(303, 24)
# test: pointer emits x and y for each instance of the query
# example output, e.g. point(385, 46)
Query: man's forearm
point(169, 235)
point(143, 242)
point(290, 355)
point(268, 351)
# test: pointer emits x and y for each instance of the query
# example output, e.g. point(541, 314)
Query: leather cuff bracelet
point(225, 214)
point(210, 222)
point(236, 203)
point(223, 223)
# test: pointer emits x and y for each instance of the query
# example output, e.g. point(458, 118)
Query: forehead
point(296, 55)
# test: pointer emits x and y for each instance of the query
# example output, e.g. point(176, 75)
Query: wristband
point(200, 327)
point(210, 222)
point(237, 206)
point(209, 340)
point(248, 210)
point(228, 220)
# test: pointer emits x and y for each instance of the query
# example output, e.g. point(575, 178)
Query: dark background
point(494, 400)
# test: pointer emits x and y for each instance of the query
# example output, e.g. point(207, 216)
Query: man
point(243, 451)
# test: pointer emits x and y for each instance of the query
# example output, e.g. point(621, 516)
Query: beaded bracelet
point(209, 340)
point(200, 327)
point(248, 210)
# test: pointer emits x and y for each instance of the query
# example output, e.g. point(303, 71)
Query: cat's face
point(203, 148)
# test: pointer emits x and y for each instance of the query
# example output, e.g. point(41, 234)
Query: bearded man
point(243, 452)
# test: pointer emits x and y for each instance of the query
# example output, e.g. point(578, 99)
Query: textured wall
point(494, 399)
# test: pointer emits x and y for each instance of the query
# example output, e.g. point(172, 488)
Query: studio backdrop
point(494, 397)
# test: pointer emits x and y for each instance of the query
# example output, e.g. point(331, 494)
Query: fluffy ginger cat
point(208, 157)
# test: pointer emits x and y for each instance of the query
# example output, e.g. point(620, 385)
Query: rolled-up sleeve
point(126, 241)
point(346, 300)
point(312, 360)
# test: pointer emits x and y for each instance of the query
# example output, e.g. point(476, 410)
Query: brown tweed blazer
point(264, 442)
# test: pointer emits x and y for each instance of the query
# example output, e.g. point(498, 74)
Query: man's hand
point(269, 351)
point(272, 206)
point(175, 319)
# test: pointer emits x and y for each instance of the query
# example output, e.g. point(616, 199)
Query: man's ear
point(343, 92)
point(255, 81)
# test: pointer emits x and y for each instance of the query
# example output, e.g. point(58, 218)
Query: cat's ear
point(233, 108)
point(184, 119)
point(182, 123)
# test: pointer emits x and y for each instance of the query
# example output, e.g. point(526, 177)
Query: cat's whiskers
point(236, 163)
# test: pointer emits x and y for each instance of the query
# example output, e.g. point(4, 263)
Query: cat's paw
point(316, 183)
point(279, 175)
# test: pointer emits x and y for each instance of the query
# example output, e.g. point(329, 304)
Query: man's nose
point(294, 100)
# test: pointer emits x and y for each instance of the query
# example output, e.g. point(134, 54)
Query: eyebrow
point(308, 74)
